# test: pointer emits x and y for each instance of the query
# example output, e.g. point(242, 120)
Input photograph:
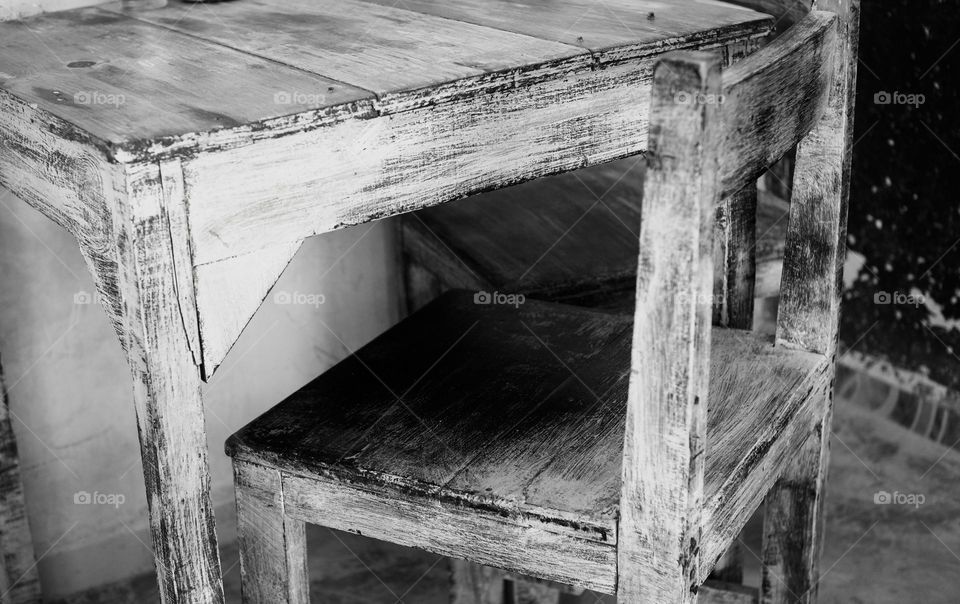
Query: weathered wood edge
point(272, 544)
point(188, 144)
point(451, 531)
point(772, 98)
point(738, 495)
point(808, 318)
point(177, 225)
point(166, 387)
point(660, 530)
point(545, 519)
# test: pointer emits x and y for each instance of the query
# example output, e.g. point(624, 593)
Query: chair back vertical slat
point(663, 458)
point(735, 262)
point(815, 248)
point(808, 318)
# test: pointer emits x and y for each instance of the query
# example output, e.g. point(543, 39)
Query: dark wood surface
point(515, 410)
point(572, 237)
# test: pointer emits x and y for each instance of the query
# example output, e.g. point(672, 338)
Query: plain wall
point(71, 393)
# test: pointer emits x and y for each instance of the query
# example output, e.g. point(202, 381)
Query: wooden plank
point(272, 191)
point(812, 274)
point(126, 82)
point(387, 50)
point(273, 546)
point(615, 30)
point(774, 97)
point(19, 579)
point(660, 527)
point(753, 435)
point(451, 530)
point(786, 12)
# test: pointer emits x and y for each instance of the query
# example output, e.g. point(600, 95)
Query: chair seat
point(515, 413)
point(572, 237)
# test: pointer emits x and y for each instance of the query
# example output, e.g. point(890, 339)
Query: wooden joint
point(174, 212)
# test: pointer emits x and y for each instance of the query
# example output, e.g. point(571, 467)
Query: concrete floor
point(873, 553)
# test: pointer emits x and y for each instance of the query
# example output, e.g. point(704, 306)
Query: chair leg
point(273, 549)
point(793, 526)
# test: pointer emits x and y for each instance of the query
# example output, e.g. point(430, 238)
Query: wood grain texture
point(128, 84)
point(19, 579)
point(566, 237)
point(774, 97)
point(661, 500)
point(122, 223)
point(793, 524)
point(450, 530)
point(49, 165)
point(140, 90)
point(166, 385)
point(392, 164)
point(490, 423)
point(816, 237)
point(273, 545)
point(786, 12)
point(388, 50)
point(808, 317)
point(735, 260)
point(616, 30)
point(487, 242)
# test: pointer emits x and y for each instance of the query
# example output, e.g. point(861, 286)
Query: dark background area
point(904, 205)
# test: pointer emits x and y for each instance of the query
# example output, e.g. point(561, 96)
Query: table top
point(136, 81)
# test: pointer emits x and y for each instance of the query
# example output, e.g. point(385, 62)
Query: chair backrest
point(711, 135)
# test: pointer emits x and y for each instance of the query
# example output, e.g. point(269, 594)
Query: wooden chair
point(572, 238)
point(505, 433)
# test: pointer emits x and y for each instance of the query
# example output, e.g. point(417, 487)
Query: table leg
point(166, 384)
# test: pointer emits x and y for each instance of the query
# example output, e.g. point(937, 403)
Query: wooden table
point(191, 149)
